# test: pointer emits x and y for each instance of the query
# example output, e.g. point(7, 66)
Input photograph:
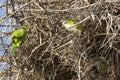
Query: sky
point(5, 40)
point(2, 11)
point(6, 66)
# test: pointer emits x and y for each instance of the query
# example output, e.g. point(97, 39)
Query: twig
point(64, 10)
point(17, 11)
point(35, 50)
point(60, 46)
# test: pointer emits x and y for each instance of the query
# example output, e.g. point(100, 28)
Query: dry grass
point(52, 53)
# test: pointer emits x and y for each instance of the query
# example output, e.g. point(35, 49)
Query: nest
point(52, 53)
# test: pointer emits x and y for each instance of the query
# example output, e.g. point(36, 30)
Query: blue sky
point(2, 11)
point(5, 39)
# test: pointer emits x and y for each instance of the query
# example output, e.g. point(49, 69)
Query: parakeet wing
point(16, 41)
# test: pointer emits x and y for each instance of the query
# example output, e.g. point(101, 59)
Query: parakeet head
point(25, 28)
point(70, 22)
point(70, 25)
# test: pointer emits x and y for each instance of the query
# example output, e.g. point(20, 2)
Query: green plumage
point(71, 26)
point(69, 22)
point(13, 49)
point(17, 37)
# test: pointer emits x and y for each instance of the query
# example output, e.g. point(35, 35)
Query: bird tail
point(14, 47)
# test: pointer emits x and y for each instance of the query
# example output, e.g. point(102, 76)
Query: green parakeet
point(17, 37)
point(71, 26)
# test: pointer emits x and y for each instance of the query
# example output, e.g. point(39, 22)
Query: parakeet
point(70, 26)
point(17, 37)
point(102, 67)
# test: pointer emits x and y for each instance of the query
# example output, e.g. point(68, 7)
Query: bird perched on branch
point(17, 37)
point(71, 26)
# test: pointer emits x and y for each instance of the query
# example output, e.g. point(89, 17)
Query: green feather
point(15, 44)
point(25, 28)
point(78, 26)
point(69, 22)
point(17, 37)
point(13, 50)
point(17, 33)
